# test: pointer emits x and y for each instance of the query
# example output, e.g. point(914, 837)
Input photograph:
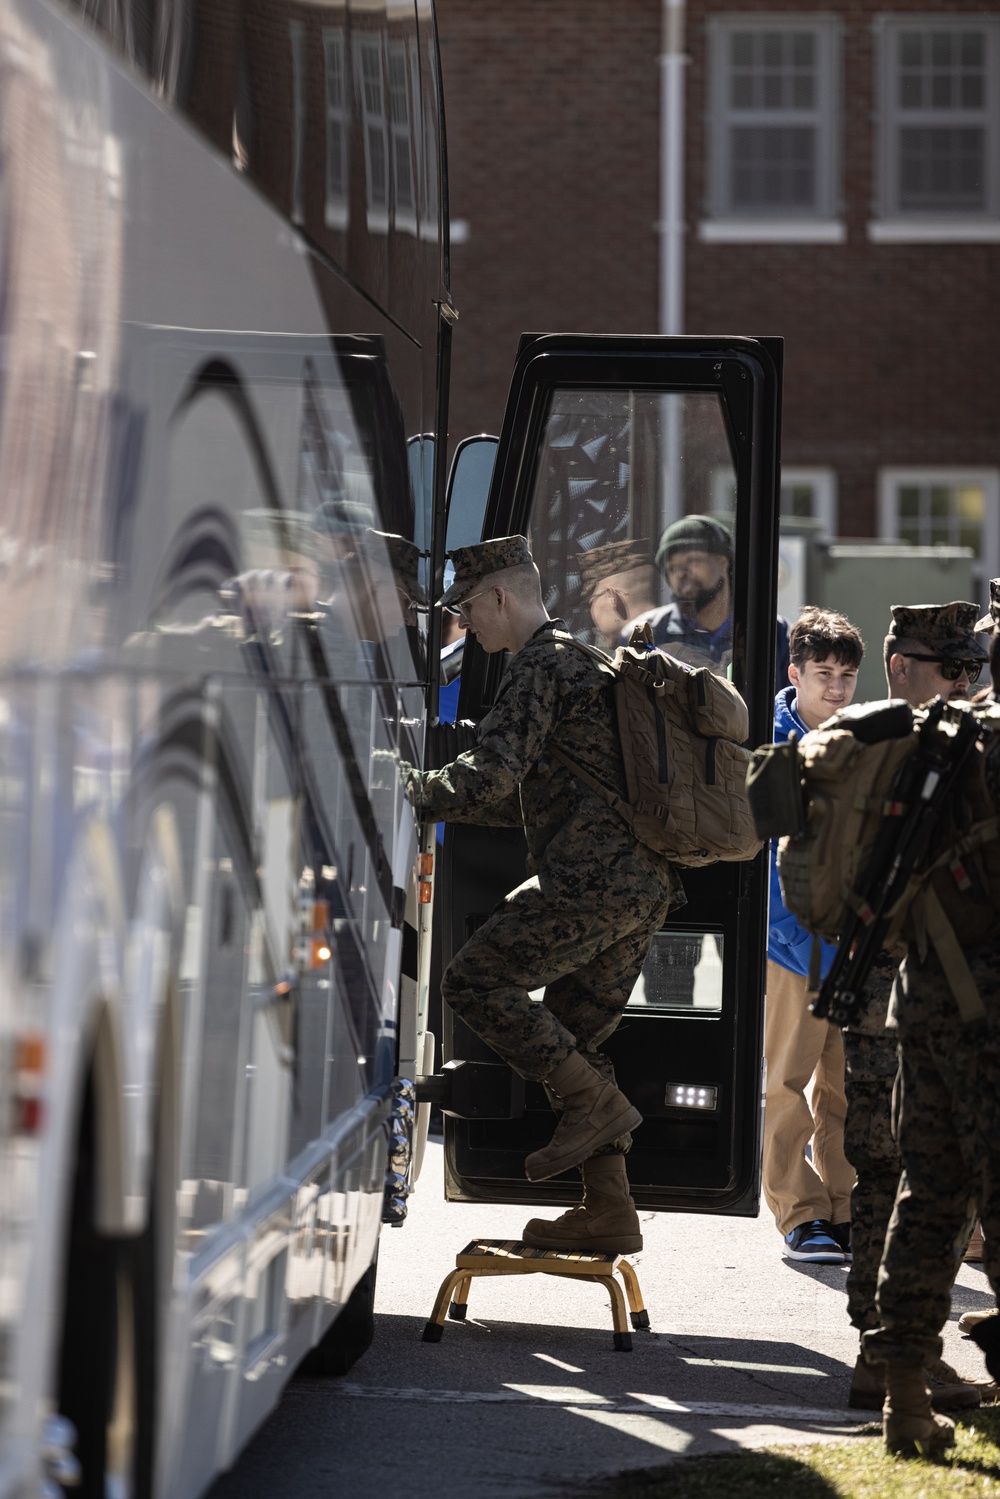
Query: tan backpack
point(850, 787)
point(681, 731)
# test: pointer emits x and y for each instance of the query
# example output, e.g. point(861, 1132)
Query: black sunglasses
point(951, 666)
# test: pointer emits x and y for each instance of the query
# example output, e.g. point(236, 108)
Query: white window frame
point(375, 126)
point(297, 46)
point(338, 128)
point(891, 479)
point(819, 224)
point(892, 223)
point(823, 482)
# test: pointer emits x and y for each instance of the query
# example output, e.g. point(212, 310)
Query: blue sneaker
point(814, 1241)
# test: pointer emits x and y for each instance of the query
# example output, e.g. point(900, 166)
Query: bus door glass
point(606, 443)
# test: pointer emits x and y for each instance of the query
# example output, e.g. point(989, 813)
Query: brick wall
point(887, 346)
point(553, 116)
point(553, 120)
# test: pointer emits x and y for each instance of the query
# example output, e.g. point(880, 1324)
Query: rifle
point(923, 785)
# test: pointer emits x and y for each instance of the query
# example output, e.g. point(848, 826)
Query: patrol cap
point(694, 533)
point(948, 629)
point(342, 517)
point(991, 620)
point(378, 547)
point(611, 558)
point(472, 564)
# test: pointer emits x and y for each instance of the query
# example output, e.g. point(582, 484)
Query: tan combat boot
point(606, 1223)
point(949, 1392)
point(968, 1320)
point(943, 1374)
point(594, 1113)
point(909, 1425)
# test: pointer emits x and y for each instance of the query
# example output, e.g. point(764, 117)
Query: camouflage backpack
point(850, 772)
point(681, 731)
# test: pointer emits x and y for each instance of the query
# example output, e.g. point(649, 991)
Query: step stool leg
point(623, 1338)
point(637, 1311)
point(460, 1301)
point(434, 1330)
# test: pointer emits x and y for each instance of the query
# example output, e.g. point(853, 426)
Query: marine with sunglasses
point(931, 651)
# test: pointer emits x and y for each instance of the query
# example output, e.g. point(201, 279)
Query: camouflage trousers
point(586, 952)
point(949, 1138)
point(871, 1063)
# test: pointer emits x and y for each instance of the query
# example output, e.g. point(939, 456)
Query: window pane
point(741, 49)
point(940, 500)
point(941, 48)
point(942, 168)
point(970, 502)
point(617, 466)
point(683, 971)
point(909, 500)
point(772, 49)
point(773, 166)
point(972, 91)
point(803, 49)
point(971, 50)
point(803, 91)
point(911, 50)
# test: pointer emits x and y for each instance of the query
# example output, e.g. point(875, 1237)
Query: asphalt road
point(527, 1398)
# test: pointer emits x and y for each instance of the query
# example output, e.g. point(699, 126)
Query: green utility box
point(863, 579)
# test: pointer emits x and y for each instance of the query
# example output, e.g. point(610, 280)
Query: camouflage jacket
point(550, 691)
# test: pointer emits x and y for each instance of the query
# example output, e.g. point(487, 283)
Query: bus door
point(611, 440)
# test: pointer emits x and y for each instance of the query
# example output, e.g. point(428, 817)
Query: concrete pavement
point(528, 1395)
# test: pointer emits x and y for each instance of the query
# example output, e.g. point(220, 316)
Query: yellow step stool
point(511, 1257)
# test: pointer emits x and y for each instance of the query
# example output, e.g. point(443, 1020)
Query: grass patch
point(857, 1468)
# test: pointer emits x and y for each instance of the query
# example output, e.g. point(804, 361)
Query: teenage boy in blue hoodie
point(810, 1199)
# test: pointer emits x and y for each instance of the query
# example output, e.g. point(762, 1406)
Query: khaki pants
point(800, 1049)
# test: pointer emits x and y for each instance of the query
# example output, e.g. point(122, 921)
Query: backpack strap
point(608, 797)
point(946, 945)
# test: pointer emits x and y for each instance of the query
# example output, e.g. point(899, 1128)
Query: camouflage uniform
point(582, 923)
point(949, 1136)
point(870, 1049)
point(949, 1113)
point(871, 1057)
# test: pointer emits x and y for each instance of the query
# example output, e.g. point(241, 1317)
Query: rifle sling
point(960, 980)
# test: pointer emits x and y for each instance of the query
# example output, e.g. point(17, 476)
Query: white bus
point(221, 269)
point(225, 321)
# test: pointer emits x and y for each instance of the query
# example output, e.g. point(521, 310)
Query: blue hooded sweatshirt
point(788, 943)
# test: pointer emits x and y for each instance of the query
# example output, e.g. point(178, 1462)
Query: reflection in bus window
point(619, 466)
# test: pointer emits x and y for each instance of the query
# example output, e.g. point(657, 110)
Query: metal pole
point(672, 64)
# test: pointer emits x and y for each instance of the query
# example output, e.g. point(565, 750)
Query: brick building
point(838, 176)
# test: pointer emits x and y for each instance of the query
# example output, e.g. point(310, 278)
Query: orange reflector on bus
point(30, 1053)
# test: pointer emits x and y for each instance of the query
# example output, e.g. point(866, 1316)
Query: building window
point(297, 42)
point(338, 129)
point(371, 87)
point(404, 194)
point(810, 494)
point(939, 119)
point(806, 494)
point(774, 118)
point(944, 507)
